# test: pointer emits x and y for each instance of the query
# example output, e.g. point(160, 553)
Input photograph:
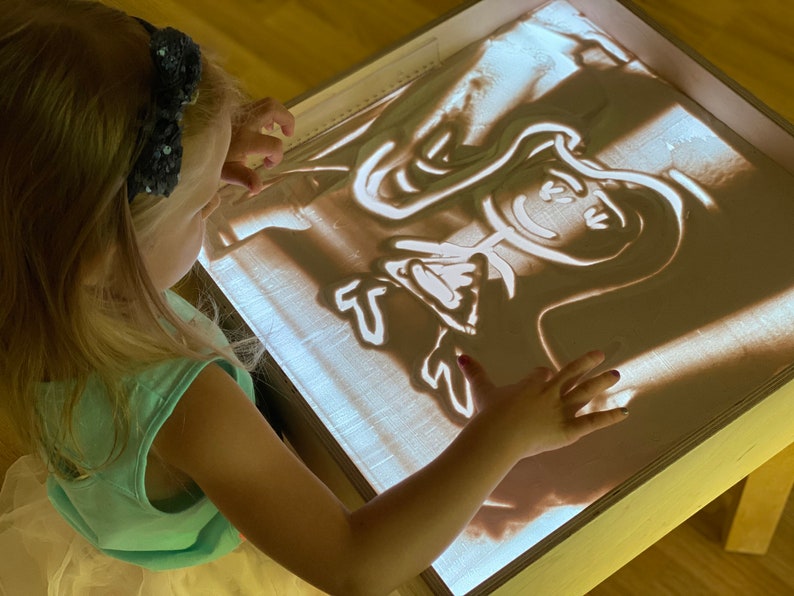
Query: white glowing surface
point(539, 195)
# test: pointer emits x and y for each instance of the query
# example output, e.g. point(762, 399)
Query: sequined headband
point(177, 65)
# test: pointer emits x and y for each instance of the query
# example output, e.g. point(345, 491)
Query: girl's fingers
point(573, 372)
point(585, 392)
point(475, 374)
point(239, 174)
point(267, 114)
point(248, 143)
point(587, 423)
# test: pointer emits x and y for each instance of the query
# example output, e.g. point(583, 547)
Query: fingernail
point(615, 373)
point(624, 411)
point(463, 360)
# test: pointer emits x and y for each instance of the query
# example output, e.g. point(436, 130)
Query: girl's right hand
point(539, 413)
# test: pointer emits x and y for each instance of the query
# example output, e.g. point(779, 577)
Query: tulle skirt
point(40, 554)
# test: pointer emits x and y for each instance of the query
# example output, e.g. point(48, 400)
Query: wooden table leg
point(757, 508)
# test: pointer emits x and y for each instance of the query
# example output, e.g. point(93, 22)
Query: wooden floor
point(283, 48)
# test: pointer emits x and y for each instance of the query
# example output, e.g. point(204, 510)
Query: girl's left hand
point(249, 139)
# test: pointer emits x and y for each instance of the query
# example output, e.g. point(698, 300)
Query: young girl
point(115, 137)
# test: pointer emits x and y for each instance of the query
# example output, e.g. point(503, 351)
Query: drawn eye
point(554, 193)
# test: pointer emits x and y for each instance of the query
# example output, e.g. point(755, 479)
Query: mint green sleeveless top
point(111, 508)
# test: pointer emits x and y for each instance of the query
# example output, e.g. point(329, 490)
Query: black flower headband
point(177, 65)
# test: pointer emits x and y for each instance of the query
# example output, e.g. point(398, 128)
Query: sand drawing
point(539, 194)
point(523, 179)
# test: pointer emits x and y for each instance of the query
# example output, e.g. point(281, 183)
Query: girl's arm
point(217, 436)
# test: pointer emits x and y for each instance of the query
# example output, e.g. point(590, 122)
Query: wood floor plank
point(283, 49)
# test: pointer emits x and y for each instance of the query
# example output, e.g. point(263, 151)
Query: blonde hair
point(75, 86)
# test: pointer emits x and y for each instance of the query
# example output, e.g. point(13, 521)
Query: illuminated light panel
point(540, 194)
